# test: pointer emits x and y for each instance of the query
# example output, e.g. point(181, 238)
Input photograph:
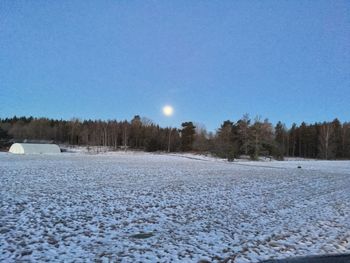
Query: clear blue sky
point(211, 60)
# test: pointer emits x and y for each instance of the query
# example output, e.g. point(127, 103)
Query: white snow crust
point(88, 208)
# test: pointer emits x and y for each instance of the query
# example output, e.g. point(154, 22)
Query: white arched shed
point(34, 148)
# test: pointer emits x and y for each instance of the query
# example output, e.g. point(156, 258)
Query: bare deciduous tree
point(326, 145)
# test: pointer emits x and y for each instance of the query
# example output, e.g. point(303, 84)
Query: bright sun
point(168, 110)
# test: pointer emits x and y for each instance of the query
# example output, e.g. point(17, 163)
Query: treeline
point(136, 134)
point(251, 138)
point(327, 140)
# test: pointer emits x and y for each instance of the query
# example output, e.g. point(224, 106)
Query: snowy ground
point(158, 208)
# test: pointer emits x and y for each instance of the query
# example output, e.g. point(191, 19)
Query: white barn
point(34, 148)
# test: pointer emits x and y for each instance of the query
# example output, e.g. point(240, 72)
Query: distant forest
point(248, 137)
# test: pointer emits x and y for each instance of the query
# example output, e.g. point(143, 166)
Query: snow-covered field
point(137, 207)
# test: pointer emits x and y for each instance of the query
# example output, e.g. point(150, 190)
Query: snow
point(138, 207)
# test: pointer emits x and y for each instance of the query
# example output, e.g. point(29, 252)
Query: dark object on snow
point(142, 235)
point(345, 258)
point(299, 167)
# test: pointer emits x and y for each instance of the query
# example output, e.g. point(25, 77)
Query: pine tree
point(337, 139)
point(292, 140)
point(226, 146)
point(243, 134)
point(188, 132)
point(280, 139)
point(346, 140)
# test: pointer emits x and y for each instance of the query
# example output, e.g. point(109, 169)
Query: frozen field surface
point(129, 207)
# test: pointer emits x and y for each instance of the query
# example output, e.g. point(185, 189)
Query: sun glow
point(168, 110)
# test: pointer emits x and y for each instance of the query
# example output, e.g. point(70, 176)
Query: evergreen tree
point(337, 139)
point(261, 139)
point(4, 137)
point(280, 139)
point(243, 136)
point(226, 145)
point(188, 132)
point(136, 132)
point(292, 140)
point(346, 140)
